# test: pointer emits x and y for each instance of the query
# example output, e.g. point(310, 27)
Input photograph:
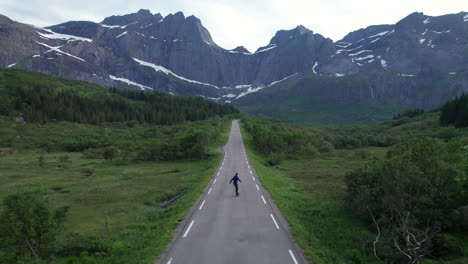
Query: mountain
point(421, 61)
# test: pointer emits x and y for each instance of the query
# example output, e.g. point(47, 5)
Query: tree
point(410, 196)
point(28, 227)
point(111, 153)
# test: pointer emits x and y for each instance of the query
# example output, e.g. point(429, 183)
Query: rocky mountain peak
point(283, 36)
point(363, 33)
point(416, 19)
point(5, 20)
point(143, 16)
point(241, 49)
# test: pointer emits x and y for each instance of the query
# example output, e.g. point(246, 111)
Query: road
point(225, 229)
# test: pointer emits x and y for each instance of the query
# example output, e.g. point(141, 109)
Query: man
point(234, 180)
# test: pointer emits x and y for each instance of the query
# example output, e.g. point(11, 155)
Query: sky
point(232, 23)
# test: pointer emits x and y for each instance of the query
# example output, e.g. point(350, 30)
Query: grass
point(310, 194)
point(120, 211)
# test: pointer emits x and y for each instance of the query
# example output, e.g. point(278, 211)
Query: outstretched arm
point(231, 180)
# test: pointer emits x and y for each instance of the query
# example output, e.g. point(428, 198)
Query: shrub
point(410, 195)
point(274, 159)
point(111, 153)
point(29, 228)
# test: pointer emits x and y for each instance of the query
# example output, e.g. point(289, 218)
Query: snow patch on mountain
point(267, 48)
point(383, 63)
point(465, 18)
point(359, 52)
point(379, 34)
point(284, 79)
point(343, 44)
point(427, 21)
point(124, 33)
point(252, 89)
point(127, 81)
point(53, 35)
point(421, 41)
point(315, 66)
point(116, 26)
point(441, 32)
point(57, 49)
point(243, 86)
point(166, 71)
point(364, 58)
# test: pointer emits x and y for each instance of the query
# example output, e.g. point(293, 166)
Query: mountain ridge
point(176, 54)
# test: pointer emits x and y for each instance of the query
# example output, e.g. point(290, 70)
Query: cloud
point(251, 23)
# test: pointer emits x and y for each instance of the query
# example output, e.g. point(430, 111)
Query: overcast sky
point(232, 23)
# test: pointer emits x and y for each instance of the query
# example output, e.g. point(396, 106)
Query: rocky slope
point(176, 54)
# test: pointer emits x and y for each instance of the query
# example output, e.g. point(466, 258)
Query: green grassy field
point(121, 211)
point(310, 193)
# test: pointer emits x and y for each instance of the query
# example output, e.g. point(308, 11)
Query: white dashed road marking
point(210, 190)
point(170, 261)
point(188, 229)
point(257, 187)
point(263, 198)
point(201, 206)
point(292, 256)
point(274, 220)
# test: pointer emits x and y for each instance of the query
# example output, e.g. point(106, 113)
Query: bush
point(93, 154)
point(29, 228)
point(274, 159)
point(363, 154)
point(111, 153)
point(446, 245)
point(401, 121)
point(411, 194)
point(87, 171)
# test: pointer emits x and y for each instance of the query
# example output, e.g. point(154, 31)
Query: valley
point(120, 137)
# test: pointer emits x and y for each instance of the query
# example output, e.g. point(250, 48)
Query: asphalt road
point(225, 229)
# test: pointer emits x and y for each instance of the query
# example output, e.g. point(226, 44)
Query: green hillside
point(95, 175)
point(324, 179)
point(323, 100)
point(41, 98)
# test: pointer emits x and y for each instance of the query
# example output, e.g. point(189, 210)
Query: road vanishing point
point(225, 229)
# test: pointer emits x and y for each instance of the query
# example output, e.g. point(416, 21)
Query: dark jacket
point(235, 179)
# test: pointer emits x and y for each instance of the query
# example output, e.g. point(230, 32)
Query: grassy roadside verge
point(310, 195)
point(120, 212)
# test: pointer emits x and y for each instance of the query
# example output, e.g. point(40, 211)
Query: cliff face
point(420, 61)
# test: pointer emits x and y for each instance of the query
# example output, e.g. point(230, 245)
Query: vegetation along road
point(225, 228)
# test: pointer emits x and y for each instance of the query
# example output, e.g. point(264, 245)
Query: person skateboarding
point(234, 180)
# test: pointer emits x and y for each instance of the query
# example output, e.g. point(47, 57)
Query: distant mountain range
point(369, 75)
